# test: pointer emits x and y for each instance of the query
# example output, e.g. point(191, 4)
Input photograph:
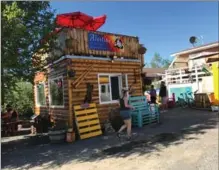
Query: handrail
point(183, 68)
point(180, 75)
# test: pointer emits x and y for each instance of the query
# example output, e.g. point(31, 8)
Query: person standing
point(163, 96)
point(125, 113)
point(153, 95)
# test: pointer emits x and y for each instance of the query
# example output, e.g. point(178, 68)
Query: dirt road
point(184, 141)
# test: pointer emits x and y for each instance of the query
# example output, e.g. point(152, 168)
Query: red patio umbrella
point(74, 19)
point(77, 20)
point(95, 24)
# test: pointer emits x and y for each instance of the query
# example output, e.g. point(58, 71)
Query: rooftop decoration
point(76, 20)
point(80, 20)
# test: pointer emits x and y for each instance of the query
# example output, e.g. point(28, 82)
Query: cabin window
point(40, 94)
point(56, 91)
point(110, 87)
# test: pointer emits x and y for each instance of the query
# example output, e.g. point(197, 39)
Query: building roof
point(214, 58)
point(153, 72)
point(204, 55)
point(195, 49)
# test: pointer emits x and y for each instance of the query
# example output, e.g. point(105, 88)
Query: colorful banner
point(105, 42)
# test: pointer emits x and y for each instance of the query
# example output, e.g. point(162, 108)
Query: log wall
point(57, 113)
point(80, 66)
point(59, 70)
point(40, 77)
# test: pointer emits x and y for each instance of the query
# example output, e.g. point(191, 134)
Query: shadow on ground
point(176, 127)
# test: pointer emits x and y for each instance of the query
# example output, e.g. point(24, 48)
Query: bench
point(144, 113)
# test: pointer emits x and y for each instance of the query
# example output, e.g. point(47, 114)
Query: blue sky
point(163, 27)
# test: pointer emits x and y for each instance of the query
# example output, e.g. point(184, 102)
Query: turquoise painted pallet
point(143, 113)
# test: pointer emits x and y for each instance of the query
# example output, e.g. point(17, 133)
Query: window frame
point(36, 96)
point(120, 85)
point(50, 96)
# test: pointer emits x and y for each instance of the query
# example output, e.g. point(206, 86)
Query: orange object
point(212, 99)
point(70, 137)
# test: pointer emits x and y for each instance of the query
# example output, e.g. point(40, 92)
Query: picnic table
point(10, 128)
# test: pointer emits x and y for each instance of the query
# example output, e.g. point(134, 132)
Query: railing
point(185, 75)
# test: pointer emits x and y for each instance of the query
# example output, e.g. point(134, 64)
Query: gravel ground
point(186, 140)
point(200, 153)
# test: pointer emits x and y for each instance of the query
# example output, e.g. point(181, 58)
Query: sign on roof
point(105, 42)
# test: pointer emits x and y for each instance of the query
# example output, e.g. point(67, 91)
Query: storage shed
point(89, 67)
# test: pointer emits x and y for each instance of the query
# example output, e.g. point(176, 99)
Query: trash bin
point(40, 123)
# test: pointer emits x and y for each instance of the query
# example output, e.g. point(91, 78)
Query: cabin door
point(115, 87)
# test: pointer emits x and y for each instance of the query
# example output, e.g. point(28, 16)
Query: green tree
point(158, 62)
point(24, 24)
point(21, 98)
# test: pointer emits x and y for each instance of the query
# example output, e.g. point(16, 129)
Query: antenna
point(196, 41)
point(193, 40)
point(201, 38)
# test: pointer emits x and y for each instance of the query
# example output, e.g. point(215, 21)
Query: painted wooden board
point(87, 120)
point(216, 79)
point(178, 90)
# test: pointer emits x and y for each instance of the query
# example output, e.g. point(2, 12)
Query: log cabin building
point(103, 63)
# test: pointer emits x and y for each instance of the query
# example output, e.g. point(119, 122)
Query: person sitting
point(5, 117)
point(12, 118)
point(11, 113)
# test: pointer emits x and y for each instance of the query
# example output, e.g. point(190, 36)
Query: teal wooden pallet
point(145, 120)
point(143, 115)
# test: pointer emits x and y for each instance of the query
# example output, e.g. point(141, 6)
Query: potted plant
point(57, 132)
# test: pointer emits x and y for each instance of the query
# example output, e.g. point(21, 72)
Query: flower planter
point(57, 136)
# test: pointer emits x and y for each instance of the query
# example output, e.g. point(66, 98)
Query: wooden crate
point(202, 100)
point(87, 121)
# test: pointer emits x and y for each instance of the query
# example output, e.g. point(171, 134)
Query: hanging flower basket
point(71, 73)
point(142, 49)
point(142, 75)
